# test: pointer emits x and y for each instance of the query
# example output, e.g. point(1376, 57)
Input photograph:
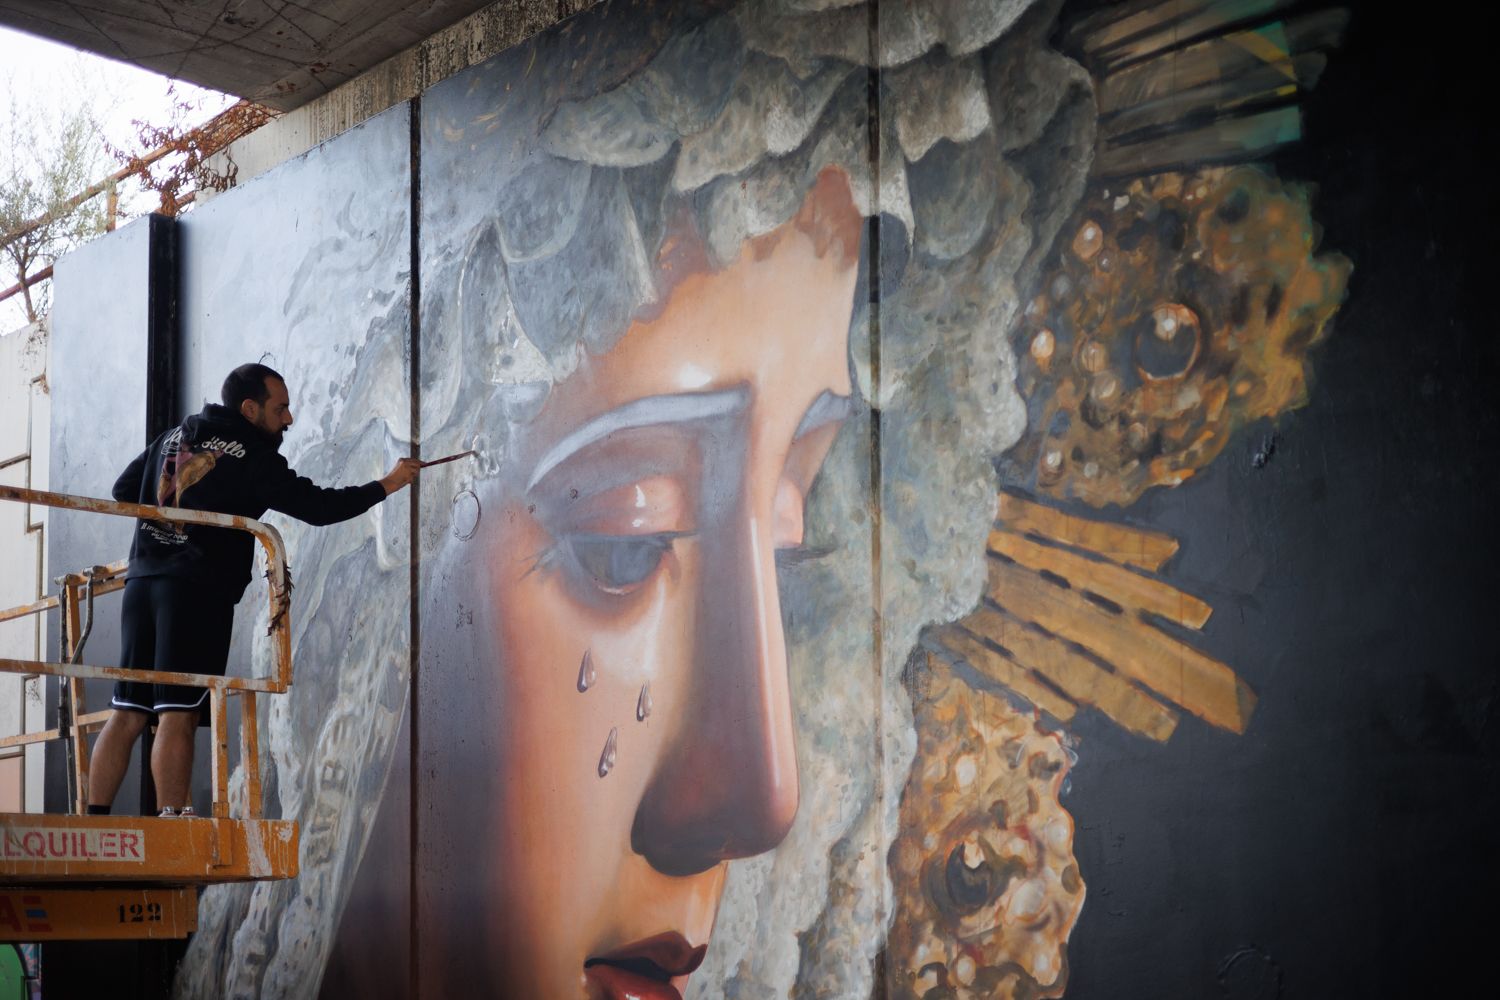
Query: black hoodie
point(217, 460)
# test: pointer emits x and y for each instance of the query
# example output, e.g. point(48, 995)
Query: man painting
point(184, 580)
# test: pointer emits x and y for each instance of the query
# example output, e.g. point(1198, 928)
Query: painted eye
point(619, 563)
point(971, 881)
point(968, 880)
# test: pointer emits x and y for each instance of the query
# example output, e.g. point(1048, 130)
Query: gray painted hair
point(550, 174)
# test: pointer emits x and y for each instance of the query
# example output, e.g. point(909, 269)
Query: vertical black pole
point(162, 350)
point(414, 672)
point(157, 960)
point(163, 341)
point(874, 125)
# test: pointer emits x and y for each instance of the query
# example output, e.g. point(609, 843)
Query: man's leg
point(131, 701)
point(172, 757)
point(111, 755)
point(193, 630)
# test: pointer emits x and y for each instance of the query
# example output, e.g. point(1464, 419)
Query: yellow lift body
point(80, 877)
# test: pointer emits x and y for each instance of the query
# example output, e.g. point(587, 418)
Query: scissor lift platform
point(86, 877)
point(122, 877)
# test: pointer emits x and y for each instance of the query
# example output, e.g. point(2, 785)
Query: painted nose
point(727, 786)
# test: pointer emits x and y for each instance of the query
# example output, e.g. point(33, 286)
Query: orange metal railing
point(75, 600)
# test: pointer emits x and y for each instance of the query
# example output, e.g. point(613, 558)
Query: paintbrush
point(450, 458)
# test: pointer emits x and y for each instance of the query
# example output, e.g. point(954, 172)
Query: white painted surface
point(25, 408)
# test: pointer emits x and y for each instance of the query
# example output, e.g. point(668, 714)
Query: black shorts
point(177, 625)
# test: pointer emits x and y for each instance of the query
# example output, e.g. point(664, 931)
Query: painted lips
point(646, 969)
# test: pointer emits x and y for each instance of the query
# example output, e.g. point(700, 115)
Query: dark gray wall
point(101, 334)
point(1344, 846)
point(98, 379)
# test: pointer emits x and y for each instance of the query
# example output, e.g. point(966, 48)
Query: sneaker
point(166, 811)
point(188, 813)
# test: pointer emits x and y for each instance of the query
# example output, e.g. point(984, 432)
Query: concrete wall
point(948, 517)
point(400, 78)
point(101, 340)
point(25, 404)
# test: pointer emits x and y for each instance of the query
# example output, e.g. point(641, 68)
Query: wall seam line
point(877, 582)
point(414, 373)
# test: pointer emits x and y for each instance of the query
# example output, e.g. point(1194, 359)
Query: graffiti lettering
point(231, 448)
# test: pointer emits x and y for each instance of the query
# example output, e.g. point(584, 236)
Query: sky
point(45, 74)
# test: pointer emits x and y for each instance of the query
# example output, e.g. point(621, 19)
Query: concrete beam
point(442, 54)
point(279, 53)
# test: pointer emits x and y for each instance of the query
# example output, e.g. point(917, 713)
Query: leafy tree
point(47, 155)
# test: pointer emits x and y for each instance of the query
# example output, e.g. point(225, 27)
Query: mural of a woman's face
point(620, 706)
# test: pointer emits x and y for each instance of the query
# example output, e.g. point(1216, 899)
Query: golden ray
point(1118, 542)
point(997, 666)
point(1123, 587)
point(1199, 683)
point(1065, 625)
point(1081, 678)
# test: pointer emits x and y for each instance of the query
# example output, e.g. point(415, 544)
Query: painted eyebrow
point(651, 411)
point(826, 409)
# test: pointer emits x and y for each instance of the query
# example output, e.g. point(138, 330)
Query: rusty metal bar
point(209, 134)
point(250, 752)
point(78, 741)
point(88, 616)
point(92, 191)
point(71, 695)
point(88, 723)
point(22, 610)
point(88, 672)
point(278, 577)
point(30, 280)
point(219, 734)
point(106, 584)
point(77, 707)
